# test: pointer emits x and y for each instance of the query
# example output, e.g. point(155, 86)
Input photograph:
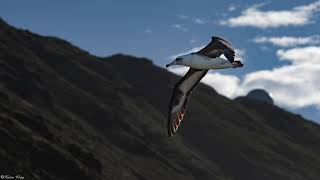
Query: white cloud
point(180, 27)
point(305, 55)
point(255, 17)
point(289, 41)
point(199, 21)
point(295, 85)
point(182, 16)
point(193, 19)
point(192, 41)
point(148, 31)
point(223, 84)
point(231, 7)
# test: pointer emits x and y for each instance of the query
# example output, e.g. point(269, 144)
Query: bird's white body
point(198, 61)
point(203, 62)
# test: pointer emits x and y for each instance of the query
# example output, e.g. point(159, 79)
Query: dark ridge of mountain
point(260, 94)
point(65, 114)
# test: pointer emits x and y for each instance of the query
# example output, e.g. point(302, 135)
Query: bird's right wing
point(216, 47)
point(179, 98)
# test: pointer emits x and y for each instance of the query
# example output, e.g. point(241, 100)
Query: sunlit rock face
point(260, 94)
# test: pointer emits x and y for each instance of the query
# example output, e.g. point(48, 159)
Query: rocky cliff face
point(66, 114)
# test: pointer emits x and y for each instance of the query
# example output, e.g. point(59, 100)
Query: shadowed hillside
point(66, 114)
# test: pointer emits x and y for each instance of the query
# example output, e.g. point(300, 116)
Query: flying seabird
point(199, 62)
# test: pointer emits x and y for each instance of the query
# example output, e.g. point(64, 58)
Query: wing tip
point(215, 37)
point(170, 133)
point(220, 39)
point(169, 128)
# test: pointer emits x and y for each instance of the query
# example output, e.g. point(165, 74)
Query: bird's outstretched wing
point(216, 47)
point(179, 98)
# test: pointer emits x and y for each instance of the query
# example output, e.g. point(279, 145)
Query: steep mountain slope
point(65, 114)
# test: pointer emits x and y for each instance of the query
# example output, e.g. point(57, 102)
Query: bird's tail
point(237, 64)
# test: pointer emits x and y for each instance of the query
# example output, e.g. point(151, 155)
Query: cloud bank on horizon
point(255, 17)
point(295, 84)
point(289, 41)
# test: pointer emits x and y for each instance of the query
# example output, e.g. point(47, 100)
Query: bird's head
point(179, 60)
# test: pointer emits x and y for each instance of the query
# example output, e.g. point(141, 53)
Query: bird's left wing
point(179, 98)
point(216, 47)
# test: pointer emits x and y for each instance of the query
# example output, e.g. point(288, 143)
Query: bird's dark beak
point(170, 64)
point(174, 62)
point(178, 59)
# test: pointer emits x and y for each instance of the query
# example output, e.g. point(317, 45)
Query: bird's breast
point(208, 63)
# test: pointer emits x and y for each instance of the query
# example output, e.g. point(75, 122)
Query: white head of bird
point(182, 60)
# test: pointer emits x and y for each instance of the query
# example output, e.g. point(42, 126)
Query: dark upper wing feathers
point(229, 54)
point(216, 47)
point(226, 47)
point(222, 41)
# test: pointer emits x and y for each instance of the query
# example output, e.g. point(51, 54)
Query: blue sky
point(279, 41)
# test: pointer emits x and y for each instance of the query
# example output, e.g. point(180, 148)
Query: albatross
point(199, 62)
